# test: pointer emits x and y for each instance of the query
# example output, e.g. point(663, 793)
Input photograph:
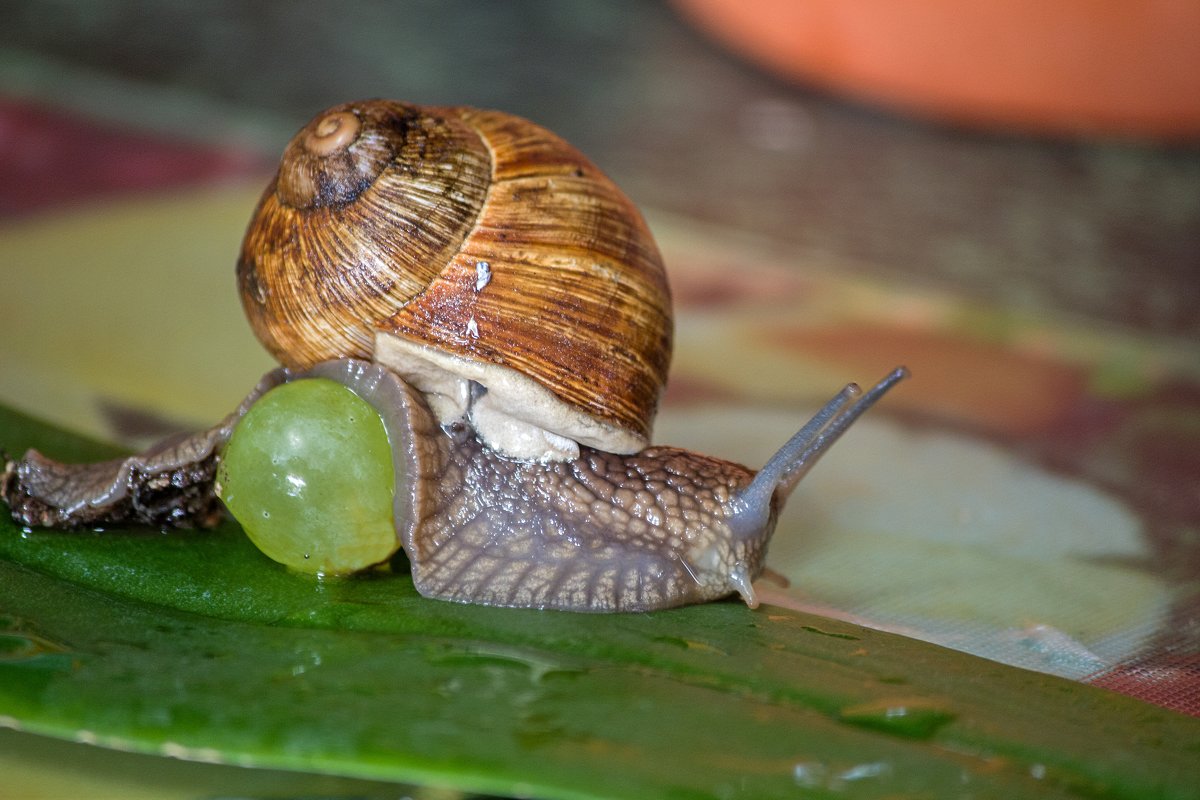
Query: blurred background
point(1006, 199)
point(1047, 200)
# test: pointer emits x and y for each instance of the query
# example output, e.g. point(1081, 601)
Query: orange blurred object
point(1091, 67)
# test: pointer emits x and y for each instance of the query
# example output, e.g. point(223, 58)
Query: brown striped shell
point(476, 254)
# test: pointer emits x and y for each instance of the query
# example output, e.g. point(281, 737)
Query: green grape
point(308, 474)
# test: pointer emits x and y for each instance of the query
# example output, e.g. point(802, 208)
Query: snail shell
point(479, 256)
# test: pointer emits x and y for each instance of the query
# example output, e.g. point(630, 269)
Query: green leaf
point(195, 645)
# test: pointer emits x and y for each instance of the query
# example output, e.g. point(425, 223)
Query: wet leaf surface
point(197, 646)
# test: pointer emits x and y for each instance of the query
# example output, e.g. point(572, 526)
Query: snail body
point(503, 308)
point(602, 532)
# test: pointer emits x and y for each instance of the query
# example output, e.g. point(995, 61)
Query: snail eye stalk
point(784, 470)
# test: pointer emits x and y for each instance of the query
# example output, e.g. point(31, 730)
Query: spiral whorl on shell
point(475, 253)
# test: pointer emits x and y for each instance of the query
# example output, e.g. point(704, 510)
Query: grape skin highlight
point(308, 474)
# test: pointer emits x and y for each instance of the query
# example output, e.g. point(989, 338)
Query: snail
point(480, 286)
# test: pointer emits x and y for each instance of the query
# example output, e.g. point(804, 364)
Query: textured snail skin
point(603, 532)
point(600, 533)
point(170, 485)
point(473, 237)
